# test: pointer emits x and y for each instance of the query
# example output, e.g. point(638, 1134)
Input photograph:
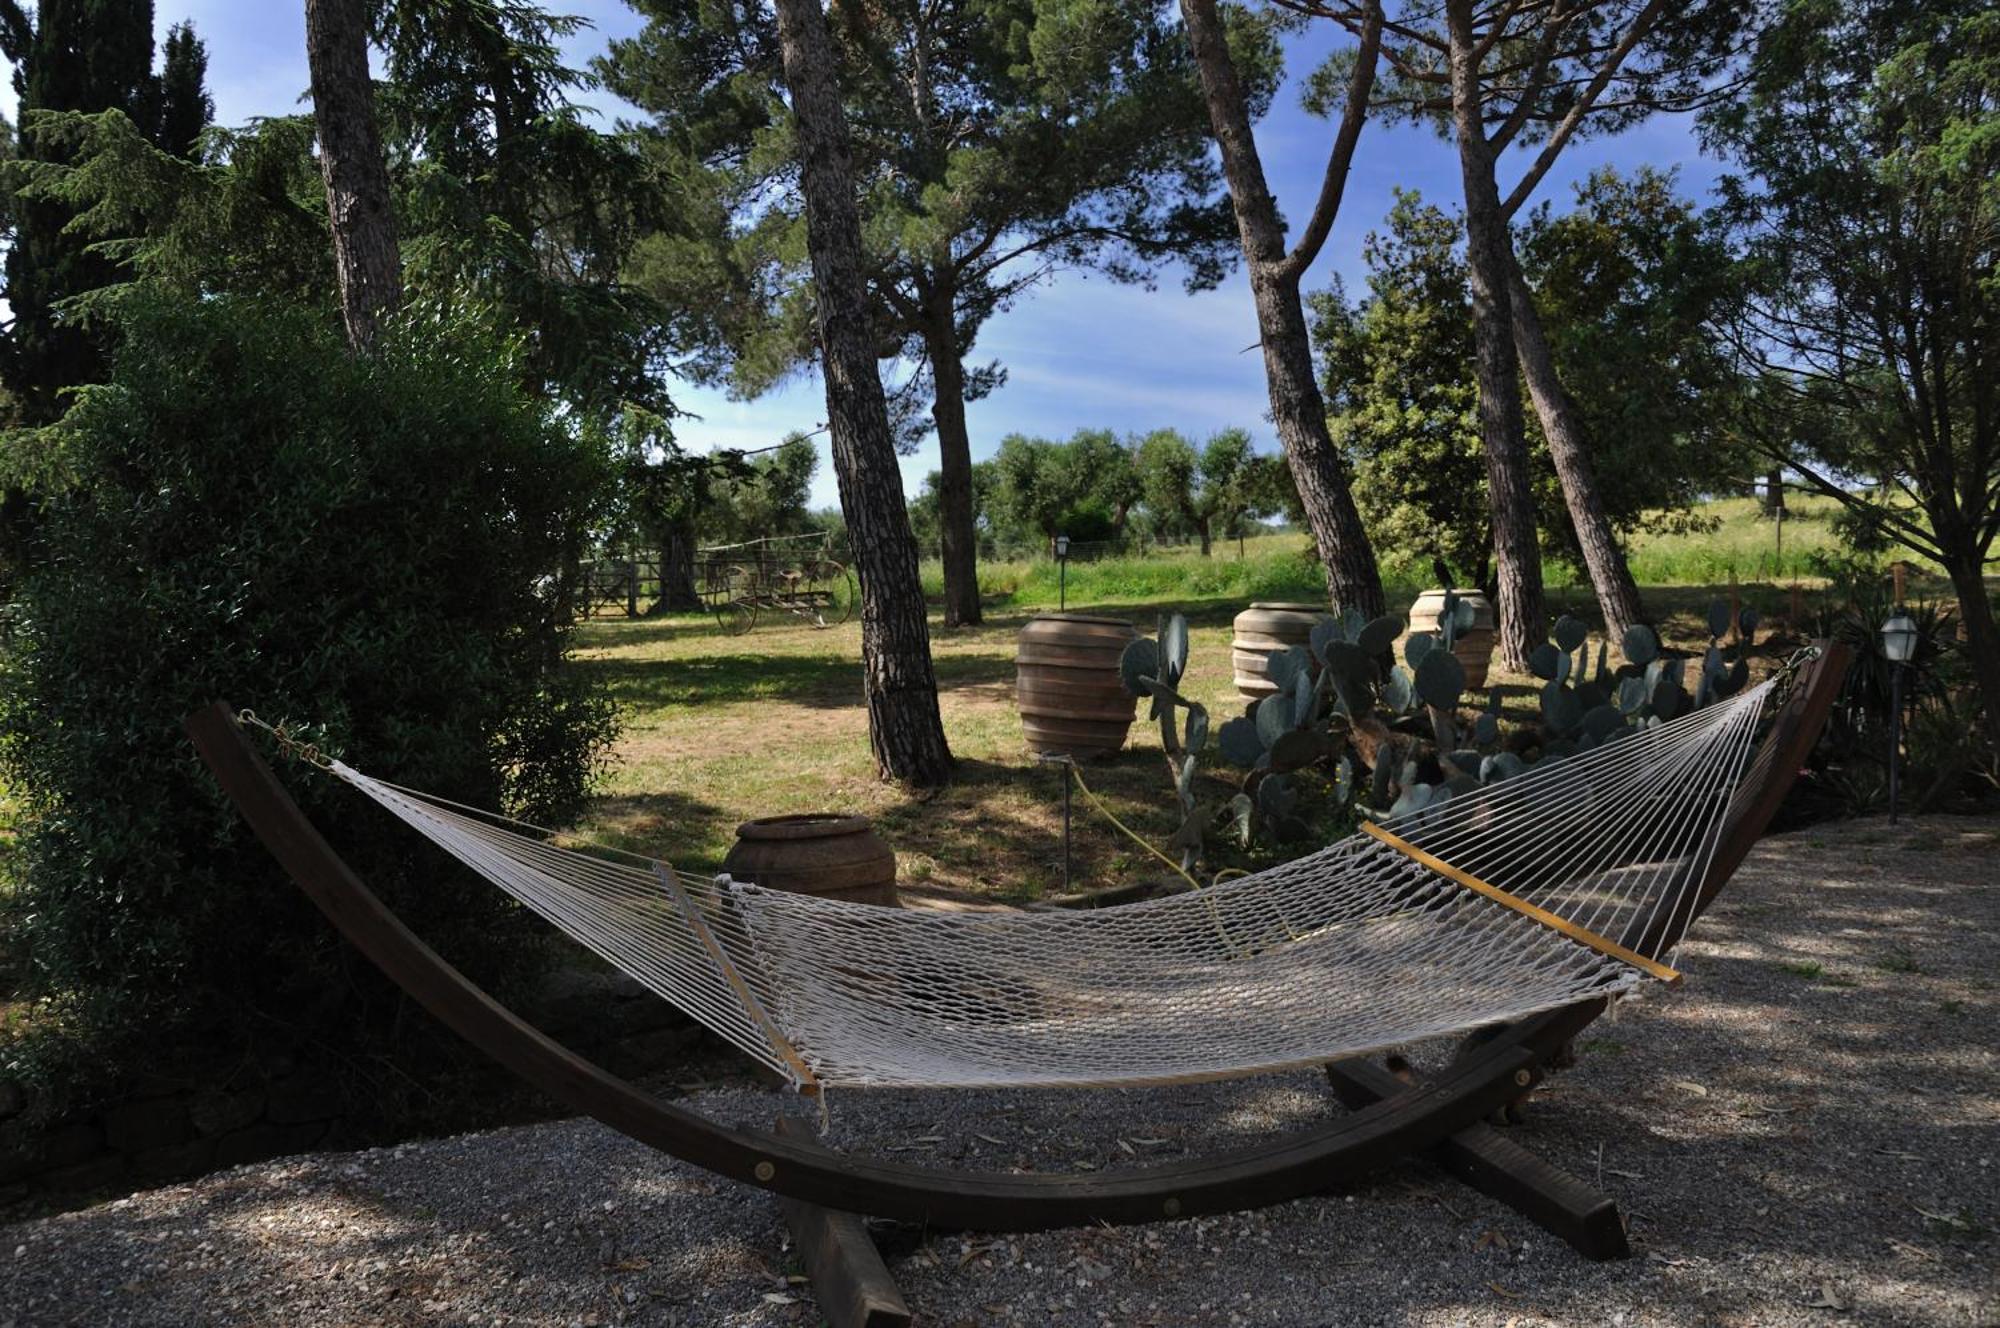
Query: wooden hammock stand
point(1441, 1118)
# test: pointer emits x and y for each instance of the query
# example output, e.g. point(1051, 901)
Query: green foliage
point(1215, 491)
point(1085, 488)
point(924, 515)
point(1153, 669)
point(1631, 279)
point(1396, 370)
point(508, 204)
point(993, 141)
point(1322, 689)
point(1869, 138)
point(767, 495)
point(1275, 568)
point(85, 57)
point(376, 548)
point(1390, 736)
point(1947, 761)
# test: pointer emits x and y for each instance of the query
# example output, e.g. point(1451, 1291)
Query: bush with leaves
point(1948, 762)
point(373, 547)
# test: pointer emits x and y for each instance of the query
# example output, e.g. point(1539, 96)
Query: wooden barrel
point(1264, 630)
point(1067, 683)
point(1475, 644)
point(840, 857)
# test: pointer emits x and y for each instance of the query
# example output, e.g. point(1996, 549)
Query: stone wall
point(160, 1130)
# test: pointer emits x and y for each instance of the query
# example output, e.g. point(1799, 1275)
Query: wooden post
point(1899, 572)
point(1495, 1165)
point(1798, 606)
point(849, 1279)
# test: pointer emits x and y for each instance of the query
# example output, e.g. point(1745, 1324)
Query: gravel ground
point(1807, 1133)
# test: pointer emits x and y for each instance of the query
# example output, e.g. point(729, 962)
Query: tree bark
point(1603, 557)
point(1982, 636)
point(1502, 431)
point(904, 727)
point(1297, 409)
point(958, 540)
point(367, 265)
point(1774, 492)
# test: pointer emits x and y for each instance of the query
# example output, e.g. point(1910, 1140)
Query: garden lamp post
point(1899, 643)
point(1062, 572)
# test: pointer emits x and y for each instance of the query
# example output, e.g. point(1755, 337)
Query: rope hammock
point(1571, 882)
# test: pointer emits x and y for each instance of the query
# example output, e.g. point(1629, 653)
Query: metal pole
point(1062, 602)
point(1895, 733)
point(1066, 769)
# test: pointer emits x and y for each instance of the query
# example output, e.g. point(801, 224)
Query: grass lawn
point(719, 729)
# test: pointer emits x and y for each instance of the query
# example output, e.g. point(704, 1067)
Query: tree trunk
point(1201, 529)
point(1774, 492)
point(367, 267)
point(1610, 575)
point(1502, 431)
point(904, 726)
point(677, 587)
point(1297, 410)
point(959, 548)
point(1982, 637)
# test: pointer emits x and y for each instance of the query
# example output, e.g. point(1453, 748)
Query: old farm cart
point(777, 574)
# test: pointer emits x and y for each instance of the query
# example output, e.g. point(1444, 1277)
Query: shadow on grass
point(817, 681)
point(655, 823)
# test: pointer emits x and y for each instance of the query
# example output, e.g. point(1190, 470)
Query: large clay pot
point(1475, 645)
point(840, 857)
point(1264, 630)
point(1072, 698)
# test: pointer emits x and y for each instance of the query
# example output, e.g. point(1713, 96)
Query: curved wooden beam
point(1287, 1168)
point(1307, 1162)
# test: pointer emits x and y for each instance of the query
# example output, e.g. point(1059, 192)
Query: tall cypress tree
point(79, 55)
point(185, 107)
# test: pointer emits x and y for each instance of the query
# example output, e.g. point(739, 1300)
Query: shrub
point(375, 546)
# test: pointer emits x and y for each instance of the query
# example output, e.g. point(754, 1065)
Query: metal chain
point(1787, 674)
point(289, 743)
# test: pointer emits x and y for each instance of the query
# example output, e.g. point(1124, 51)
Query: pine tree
point(79, 55)
point(185, 106)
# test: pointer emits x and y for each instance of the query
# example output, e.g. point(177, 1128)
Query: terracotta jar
point(839, 857)
point(1475, 645)
point(1067, 684)
point(1264, 630)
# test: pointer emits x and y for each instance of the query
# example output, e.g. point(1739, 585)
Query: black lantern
point(1899, 646)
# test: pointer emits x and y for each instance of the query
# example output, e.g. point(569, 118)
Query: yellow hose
point(1134, 835)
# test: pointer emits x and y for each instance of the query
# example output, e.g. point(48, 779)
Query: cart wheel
point(735, 618)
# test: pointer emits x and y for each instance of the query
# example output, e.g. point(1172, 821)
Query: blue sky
point(1080, 351)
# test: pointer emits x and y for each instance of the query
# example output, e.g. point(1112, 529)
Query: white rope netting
point(1352, 949)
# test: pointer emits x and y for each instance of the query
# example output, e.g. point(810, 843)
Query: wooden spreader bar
point(1582, 935)
point(808, 1084)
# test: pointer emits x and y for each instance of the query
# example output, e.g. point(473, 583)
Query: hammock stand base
point(1484, 1158)
point(849, 1279)
point(1332, 1155)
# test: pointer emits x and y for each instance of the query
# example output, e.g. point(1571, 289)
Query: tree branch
point(1560, 138)
point(1320, 224)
